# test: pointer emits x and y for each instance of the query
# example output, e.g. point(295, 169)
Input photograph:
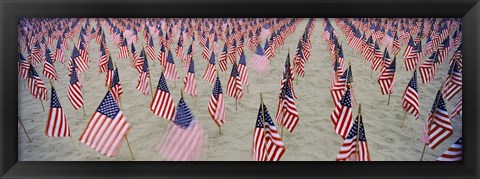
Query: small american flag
point(81, 64)
point(211, 71)
point(222, 62)
point(387, 78)
point(162, 103)
point(109, 72)
point(162, 55)
point(287, 70)
point(74, 92)
point(107, 128)
point(348, 151)
point(268, 50)
point(437, 127)
point(116, 87)
point(287, 111)
point(429, 68)
point(206, 51)
point(377, 58)
point(134, 58)
point(453, 153)
point(144, 77)
point(216, 105)
point(188, 57)
point(23, 66)
point(410, 96)
point(453, 82)
point(123, 49)
point(412, 58)
point(170, 68)
point(259, 62)
point(338, 87)
point(458, 109)
point(190, 86)
point(185, 138)
point(35, 85)
point(48, 68)
point(57, 125)
point(151, 49)
point(242, 69)
point(267, 142)
point(232, 52)
point(234, 87)
point(103, 60)
point(395, 44)
point(342, 115)
point(179, 48)
point(59, 54)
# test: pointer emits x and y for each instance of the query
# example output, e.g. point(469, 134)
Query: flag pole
point(41, 102)
point(21, 123)
point(404, 115)
point(358, 128)
point(83, 108)
point(435, 111)
point(263, 121)
point(129, 148)
point(73, 143)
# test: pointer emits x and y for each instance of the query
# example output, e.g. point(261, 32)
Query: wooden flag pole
point(358, 128)
point(435, 111)
point(21, 123)
point(388, 102)
point(41, 102)
point(263, 121)
point(129, 148)
point(236, 104)
point(404, 115)
point(73, 143)
point(151, 88)
point(83, 108)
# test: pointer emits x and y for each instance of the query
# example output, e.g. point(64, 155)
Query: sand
point(314, 138)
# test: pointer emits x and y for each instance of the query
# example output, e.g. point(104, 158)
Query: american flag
point(170, 68)
point(222, 62)
point(138, 64)
point(216, 105)
point(429, 68)
point(429, 46)
point(410, 96)
point(287, 70)
point(411, 56)
point(268, 50)
point(350, 146)
point(23, 66)
point(388, 39)
point(232, 52)
point(185, 138)
point(59, 54)
point(356, 42)
point(162, 55)
point(267, 142)
point(437, 127)
point(395, 45)
point(35, 84)
point(116, 87)
point(369, 50)
point(211, 71)
point(240, 45)
point(458, 109)
point(48, 68)
point(162, 103)
point(215, 43)
point(109, 72)
point(36, 54)
point(57, 125)
point(190, 86)
point(387, 78)
point(150, 49)
point(144, 77)
point(103, 60)
point(457, 56)
point(80, 64)
point(410, 46)
point(259, 62)
point(206, 51)
point(179, 48)
point(453, 82)
point(287, 111)
point(377, 58)
point(123, 50)
point(83, 50)
point(107, 128)
point(453, 153)
point(234, 87)
point(338, 87)
point(134, 58)
point(188, 57)
point(74, 92)
point(342, 115)
point(443, 50)
point(242, 69)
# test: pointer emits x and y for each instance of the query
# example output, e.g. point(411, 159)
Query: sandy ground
point(314, 138)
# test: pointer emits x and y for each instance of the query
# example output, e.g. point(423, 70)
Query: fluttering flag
point(453, 153)
point(189, 82)
point(410, 96)
point(258, 61)
point(211, 71)
point(355, 147)
point(162, 103)
point(216, 105)
point(267, 142)
point(57, 125)
point(437, 126)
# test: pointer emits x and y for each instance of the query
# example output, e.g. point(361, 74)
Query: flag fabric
point(189, 82)
point(411, 56)
point(342, 115)
point(222, 62)
point(387, 78)
point(242, 69)
point(107, 128)
point(216, 105)
point(144, 78)
point(48, 68)
point(162, 103)
point(103, 60)
point(267, 142)
point(185, 138)
point(74, 91)
point(150, 49)
point(429, 68)
point(35, 85)
point(287, 115)
point(258, 61)
point(23, 66)
point(458, 109)
point(350, 146)
point(234, 87)
point(453, 82)
point(109, 73)
point(437, 126)
point(138, 64)
point(123, 50)
point(410, 96)
point(170, 68)
point(211, 70)
point(59, 54)
point(453, 153)
point(81, 64)
point(162, 55)
point(57, 125)
point(116, 87)
point(206, 51)
point(287, 70)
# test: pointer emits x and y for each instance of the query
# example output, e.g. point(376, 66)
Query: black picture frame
point(468, 10)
